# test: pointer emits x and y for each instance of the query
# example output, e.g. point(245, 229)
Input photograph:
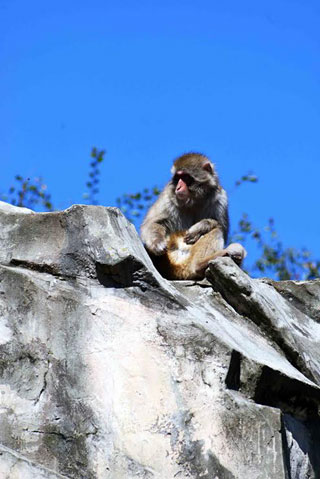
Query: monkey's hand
point(199, 229)
point(157, 246)
point(192, 237)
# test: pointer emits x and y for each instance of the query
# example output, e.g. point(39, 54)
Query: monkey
point(188, 224)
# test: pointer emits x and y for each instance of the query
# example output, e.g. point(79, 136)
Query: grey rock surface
point(108, 371)
point(13, 465)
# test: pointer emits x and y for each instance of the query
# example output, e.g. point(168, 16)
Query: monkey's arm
point(215, 215)
point(153, 230)
point(199, 229)
point(221, 213)
point(153, 236)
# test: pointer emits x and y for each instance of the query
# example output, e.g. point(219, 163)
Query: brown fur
point(188, 224)
point(207, 206)
point(195, 258)
point(181, 260)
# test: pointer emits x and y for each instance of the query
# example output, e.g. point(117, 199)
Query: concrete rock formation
point(108, 371)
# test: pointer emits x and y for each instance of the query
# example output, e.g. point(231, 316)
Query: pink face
point(182, 181)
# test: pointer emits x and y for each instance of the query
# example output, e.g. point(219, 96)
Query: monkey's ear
point(208, 166)
point(173, 170)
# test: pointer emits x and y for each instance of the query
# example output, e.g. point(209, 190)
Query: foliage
point(33, 193)
point(250, 178)
point(274, 259)
point(135, 205)
point(29, 194)
point(94, 176)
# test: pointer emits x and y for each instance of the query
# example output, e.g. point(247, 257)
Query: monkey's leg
point(174, 264)
point(235, 251)
point(203, 251)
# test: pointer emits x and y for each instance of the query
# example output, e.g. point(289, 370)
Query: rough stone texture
point(14, 466)
point(108, 371)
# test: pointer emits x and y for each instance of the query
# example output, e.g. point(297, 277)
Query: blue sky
point(147, 81)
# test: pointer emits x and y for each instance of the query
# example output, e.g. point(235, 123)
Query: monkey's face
point(192, 185)
point(182, 182)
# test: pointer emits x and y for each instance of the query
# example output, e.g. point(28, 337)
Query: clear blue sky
point(147, 81)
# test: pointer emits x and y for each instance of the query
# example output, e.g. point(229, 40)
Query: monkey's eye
point(187, 179)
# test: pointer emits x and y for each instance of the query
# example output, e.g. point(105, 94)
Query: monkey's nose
point(180, 184)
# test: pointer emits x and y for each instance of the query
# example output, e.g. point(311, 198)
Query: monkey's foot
point(235, 251)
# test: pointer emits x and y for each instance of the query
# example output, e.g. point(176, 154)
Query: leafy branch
point(135, 205)
point(276, 260)
point(94, 176)
point(28, 194)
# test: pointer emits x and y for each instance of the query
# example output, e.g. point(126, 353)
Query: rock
point(13, 465)
point(108, 371)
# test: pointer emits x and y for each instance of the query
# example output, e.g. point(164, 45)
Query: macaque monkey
point(188, 224)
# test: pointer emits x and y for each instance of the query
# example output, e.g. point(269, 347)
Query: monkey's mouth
point(183, 200)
